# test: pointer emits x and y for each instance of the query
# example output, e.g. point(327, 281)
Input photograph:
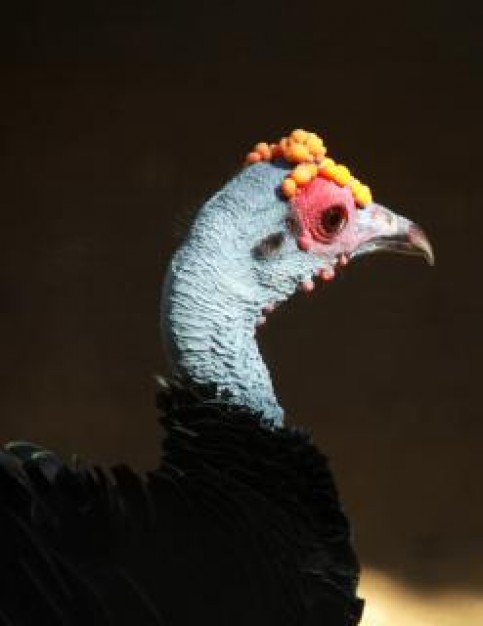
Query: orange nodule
point(299, 135)
point(326, 164)
point(289, 187)
point(355, 186)
point(297, 153)
point(263, 150)
point(364, 195)
point(342, 175)
point(328, 170)
point(303, 174)
point(314, 144)
point(313, 169)
point(253, 157)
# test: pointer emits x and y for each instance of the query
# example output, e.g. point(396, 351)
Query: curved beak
point(380, 230)
point(419, 244)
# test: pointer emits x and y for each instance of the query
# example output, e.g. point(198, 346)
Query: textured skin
point(216, 287)
point(240, 526)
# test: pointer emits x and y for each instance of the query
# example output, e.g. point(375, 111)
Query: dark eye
point(333, 219)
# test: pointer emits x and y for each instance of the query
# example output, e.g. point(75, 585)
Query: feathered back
point(239, 525)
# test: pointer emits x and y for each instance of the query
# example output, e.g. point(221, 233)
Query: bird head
point(290, 216)
point(317, 218)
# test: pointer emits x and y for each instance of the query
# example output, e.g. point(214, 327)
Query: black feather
point(240, 525)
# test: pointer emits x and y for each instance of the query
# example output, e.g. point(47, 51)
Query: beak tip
point(420, 243)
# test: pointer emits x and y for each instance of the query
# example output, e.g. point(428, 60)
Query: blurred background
point(119, 118)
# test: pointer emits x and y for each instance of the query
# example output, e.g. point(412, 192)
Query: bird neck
point(208, 323)
point(213, 296)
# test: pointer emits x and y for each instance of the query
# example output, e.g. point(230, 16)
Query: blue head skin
point(240, 257)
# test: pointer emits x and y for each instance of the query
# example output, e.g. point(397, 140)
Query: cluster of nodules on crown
point(306, 151)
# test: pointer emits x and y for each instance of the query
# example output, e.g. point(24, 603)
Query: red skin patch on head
point(309, 203)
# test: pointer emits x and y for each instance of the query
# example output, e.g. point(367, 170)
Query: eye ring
point(331, 221)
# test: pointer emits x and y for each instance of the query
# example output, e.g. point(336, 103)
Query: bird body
point(240, 524)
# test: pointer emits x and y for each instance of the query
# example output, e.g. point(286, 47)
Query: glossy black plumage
point(240, 525)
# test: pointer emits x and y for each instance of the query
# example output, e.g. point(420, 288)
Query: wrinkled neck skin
point(215, 290)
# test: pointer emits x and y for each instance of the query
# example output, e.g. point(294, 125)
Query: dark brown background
point(119, 118)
